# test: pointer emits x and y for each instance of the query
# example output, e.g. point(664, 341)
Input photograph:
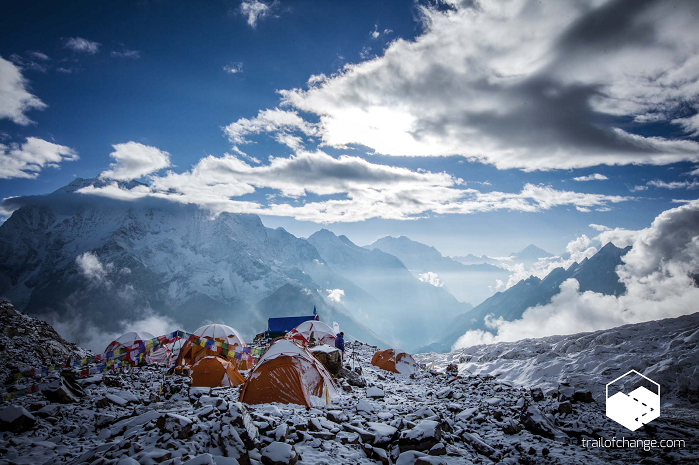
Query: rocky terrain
point(145, 416)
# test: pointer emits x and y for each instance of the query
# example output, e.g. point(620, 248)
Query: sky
point(475, 126)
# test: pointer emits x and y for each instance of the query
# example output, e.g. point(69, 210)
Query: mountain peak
point(532, 251)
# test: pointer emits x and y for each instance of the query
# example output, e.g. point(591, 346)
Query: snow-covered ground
point(146, 417)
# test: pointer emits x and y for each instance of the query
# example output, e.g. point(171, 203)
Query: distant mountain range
point(527, 256)
point(596, 274)
point(468, 283)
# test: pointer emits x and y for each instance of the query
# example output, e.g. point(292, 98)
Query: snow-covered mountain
point(406, 308)
point(594, 274)
point(664, 350)
point(98, 262)
point(468, 283)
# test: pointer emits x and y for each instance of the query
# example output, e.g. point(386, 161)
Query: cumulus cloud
point(28, 159)
point(591, 177)
point(660, 274)
point(15, 98)
point(360, 190)
point(78, 44)
point(133, 160)
point(599, 227)
point(431, 278)
point(520, 84)
point(255, 10)
point(335, 295)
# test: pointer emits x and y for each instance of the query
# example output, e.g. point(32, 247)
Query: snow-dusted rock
point(279, 453)
point(16, 419)
point(374, 393)
point(423, 436)
point(177, 425)
point(536, 422)
point(364, 406)
point(383, 433)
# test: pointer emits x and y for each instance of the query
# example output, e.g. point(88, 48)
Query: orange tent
point(191, 353)
point(215, 372)
point(395, 361)
point(289, 374)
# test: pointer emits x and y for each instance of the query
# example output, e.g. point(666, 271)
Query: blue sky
point(498, 107)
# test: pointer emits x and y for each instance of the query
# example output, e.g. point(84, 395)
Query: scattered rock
point(279, 453)
point(565, 407)
point(374, 393)
point(423, 436)
point(537, 394)
point(582, 395)
point(16, 419)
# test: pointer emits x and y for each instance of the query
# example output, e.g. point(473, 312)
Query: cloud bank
point(356, 189)
point(660, 272)
point(520, 84)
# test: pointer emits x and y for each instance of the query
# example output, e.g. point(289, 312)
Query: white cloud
point(659, 273)
point(28, 159)
point(689, 124)
point(92, 268)
point(133, 54)
point(431, 277)
point(234, 68)
point(638, 188)
point(520, 84)
point(599, 227)
point(134, 160)
point(361, 190)
point(15, 98)
point(276, 120)
point(255, 10)
point(78, 44)
point(335, 295)
point(591, 177)
point(674, 184)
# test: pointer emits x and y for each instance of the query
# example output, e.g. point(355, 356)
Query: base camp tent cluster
point(286, 372)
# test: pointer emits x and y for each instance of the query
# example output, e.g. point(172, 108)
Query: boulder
point(511, 427)
point(537, 394)
point(180, 427)
point(330, 357)
point(16, 419)
point(352, 378)
point(565, 393)
point(477, 443)
point(537, 423)
point(423, 436)
point(582, 395)
point(233, 446)
point(279, 453)
point(374, 393)
point(565, 407)
point(63, 391)
point(383, 434)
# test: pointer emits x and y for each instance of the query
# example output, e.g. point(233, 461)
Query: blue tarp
point(286, 324)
